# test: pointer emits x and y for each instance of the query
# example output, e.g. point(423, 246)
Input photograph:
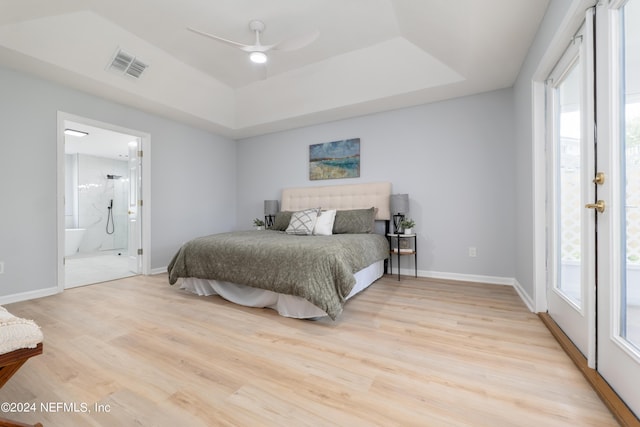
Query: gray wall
point(192, 181)
point(466, 164)
point(455, 159)
point(524, 145)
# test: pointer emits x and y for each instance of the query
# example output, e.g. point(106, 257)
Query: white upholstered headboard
point(341, 197)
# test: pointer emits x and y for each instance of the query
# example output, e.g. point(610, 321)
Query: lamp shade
point(271, 207)
point(399, 203)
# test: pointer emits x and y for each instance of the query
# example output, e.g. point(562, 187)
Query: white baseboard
point(39, 293)
point(24, 296)
point(528, 301)
point(160, 270)
point(491, 280)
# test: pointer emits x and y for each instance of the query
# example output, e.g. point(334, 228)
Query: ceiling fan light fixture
point(258, 57)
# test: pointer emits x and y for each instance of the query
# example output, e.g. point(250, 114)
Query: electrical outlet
point(1, 267)
point(472, 251)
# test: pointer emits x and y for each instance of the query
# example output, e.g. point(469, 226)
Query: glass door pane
point(630, 137)
point(570, 164)
point(569, 204)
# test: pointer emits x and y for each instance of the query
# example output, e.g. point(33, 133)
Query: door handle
point(599, 179)
point(599, 206)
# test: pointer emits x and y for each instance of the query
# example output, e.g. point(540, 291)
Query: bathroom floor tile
point(86, 269)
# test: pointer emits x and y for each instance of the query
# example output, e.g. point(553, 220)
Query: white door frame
point(570, 24)
point(624, 384)
point(577, 319)
point(145, 141)
point(618, 361)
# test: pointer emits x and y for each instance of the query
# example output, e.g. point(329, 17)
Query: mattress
point(317, 268)
point(285, 305)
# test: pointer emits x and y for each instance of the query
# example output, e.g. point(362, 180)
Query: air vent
point(128, 64)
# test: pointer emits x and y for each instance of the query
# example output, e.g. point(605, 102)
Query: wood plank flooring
point(418, 352)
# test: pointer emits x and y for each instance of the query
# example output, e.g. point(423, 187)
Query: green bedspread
point(317, 268)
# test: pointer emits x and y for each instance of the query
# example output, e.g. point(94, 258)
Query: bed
point(300, 276)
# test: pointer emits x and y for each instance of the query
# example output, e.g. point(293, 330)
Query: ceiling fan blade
point(220, 39)
point(258, 48)
point(297, 42)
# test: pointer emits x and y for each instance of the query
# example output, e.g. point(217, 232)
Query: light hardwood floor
point(417, 352)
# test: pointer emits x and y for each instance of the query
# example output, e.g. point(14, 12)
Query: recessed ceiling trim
point(211, 86)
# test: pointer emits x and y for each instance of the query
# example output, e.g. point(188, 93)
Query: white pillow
point(324, 223)
point(302, 222)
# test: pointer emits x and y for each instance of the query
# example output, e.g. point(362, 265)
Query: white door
point(135, 231)
point(593, 197)
point(618, 151)
point(570, 164)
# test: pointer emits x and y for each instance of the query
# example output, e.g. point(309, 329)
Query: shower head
point(114, 176)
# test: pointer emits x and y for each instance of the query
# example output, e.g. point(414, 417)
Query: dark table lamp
point(271, 208)
point(399, 205)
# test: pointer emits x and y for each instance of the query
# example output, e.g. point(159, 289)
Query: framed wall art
point(334, 160)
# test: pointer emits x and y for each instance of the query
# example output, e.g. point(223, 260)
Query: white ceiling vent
point(128, 64)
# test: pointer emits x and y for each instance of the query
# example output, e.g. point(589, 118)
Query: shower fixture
point(114, 176)
point(112, 229)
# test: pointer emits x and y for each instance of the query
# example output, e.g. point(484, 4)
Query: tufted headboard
point(341, 197)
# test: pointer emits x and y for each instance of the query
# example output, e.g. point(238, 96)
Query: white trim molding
point(490, 280)
point(458, 277)
point(572, 21)
point(474, 278)
point(145, 141)
point(528, 301)
point(25, 296)
point(159, 270)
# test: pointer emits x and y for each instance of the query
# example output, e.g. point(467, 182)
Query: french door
point(571, 162)
point(593, 194)
point(618, 151)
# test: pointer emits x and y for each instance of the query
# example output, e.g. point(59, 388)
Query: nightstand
point(400, 245)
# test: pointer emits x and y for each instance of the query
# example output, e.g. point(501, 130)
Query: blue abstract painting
point(336, 159)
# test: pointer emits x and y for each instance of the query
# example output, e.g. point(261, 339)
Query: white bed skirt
point(285, 305)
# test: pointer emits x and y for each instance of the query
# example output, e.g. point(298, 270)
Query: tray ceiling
point(371, 55)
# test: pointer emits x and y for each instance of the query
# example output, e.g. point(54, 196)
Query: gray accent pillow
point(354, 221)
point(302, 222)
point(282, 220)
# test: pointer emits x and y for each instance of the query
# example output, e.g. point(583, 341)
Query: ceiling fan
point(257, 51)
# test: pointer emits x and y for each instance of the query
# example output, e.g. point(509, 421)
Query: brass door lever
point(599, 179)
point(599, 206)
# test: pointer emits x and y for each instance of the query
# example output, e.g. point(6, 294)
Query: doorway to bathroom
point(102, 215)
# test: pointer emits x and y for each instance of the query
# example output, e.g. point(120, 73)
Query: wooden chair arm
point(8, 423)
point(9, 365)
point(21, 353)
point(12, 361)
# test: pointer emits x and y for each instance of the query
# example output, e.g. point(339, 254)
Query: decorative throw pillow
point(324, 223)
point(354, 221)
point(302, 222)
point(282, 220)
